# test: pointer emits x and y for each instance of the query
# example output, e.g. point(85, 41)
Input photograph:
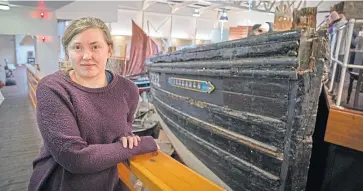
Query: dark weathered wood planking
point(270, 49)
point(225, 143)
point(270, 88)
point(303, 123)
point(257, 102)
point(302, 117)
point(282, 90)
point(269, 107)
point(270, 132)
point(278, 37)
point(237, 174)
point(230, 72)
point(270, 63)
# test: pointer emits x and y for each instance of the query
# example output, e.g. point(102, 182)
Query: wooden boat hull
point(245, 108)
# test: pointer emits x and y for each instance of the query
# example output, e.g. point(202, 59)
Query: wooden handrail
point(33, 77)
point(160, 172)
point(157, 171)
point(344, 126)
point(37, 75)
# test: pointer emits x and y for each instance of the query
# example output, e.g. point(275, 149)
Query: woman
point(85, 116)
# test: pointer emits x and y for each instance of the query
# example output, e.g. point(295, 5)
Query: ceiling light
point(196, 13)
point(4, 7)
point(224, 17)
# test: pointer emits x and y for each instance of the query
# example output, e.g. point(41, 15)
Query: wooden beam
point(283, 17)
point(344, 126)
point(160, 172)
point(305, 17)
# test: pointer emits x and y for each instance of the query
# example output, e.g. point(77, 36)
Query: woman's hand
point(130, 141)
point(133, 141)
point(157, 146)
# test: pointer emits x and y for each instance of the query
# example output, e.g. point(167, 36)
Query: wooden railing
point(157, 171)
point(33, 77)
point(344, 126)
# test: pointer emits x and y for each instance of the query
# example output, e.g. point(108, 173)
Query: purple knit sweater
point(78, 126)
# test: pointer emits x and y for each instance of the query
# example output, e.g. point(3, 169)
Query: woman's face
point(88, 53)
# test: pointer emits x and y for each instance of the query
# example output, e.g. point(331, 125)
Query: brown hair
point(82, 24)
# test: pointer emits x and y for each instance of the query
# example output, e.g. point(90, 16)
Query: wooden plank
point(288, 48)
point(34, 72)
point(237, 173)
point(260, 105)
point(245, 148)
point(283, 17)
point(273, 44)
point(305, 17)
point(259, 128)
point(33, 78)
point(278, 63)
point(345, 128)
point(32, 99)
point(160, 172)
point(125, 176)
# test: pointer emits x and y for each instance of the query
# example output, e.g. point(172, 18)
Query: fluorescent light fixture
point(4, 7)
point(196, 13)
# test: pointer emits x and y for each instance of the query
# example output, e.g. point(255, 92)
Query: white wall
point(183, 27)
point(26, 21)
point(248, 18)
point(7, 48)
point(47, 55)
point(107, 11)
point(22, 50)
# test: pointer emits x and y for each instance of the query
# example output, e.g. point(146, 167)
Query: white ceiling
point(176, 6)
point(44, 5)
point(183, 24)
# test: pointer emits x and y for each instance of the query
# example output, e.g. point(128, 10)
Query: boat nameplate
point(191, 84)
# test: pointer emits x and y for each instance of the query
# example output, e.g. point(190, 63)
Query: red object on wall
point(42, 38)
point(41, 14)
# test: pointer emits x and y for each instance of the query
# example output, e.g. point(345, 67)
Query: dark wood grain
point(224, 164)
point(265, 130)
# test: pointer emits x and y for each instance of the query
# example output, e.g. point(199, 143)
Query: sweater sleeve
point(62, 139)
point(133, 101)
